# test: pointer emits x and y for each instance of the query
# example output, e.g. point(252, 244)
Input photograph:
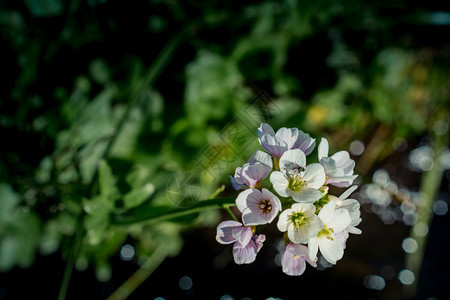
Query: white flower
point(297, 179)
point(353, 208)
point(284, 139)
point(334, 222)
point(258, 207)
point(300, 222)
point(338, 167)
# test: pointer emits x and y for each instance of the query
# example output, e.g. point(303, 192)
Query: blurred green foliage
point(75, 70)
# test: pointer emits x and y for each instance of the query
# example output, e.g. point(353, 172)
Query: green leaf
point(8, 201)
point(107, 182)
point(138, 196)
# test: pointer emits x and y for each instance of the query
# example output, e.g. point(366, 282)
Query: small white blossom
point(297, 179)
point(300, 222)
point(338, 167)
point(327, 240)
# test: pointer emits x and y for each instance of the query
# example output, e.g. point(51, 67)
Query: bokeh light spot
point(406, 277)
point(440, 207)
point(127, 252)
point(357, 147)
point(185, 283)
point(374, 282)
point(409, 245)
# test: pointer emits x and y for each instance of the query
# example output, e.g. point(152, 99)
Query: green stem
point(227, 208)
point(153, 214)
point(155, 70)
point(132, 283)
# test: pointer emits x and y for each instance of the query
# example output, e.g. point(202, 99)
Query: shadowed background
point(114, 115)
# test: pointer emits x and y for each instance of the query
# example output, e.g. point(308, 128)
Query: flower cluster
point(312, 220)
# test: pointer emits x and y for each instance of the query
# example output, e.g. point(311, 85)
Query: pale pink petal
point(253, 173)
point(244, 255)
point(251, 218)
point(264, 129)
point(242, 198)
point(304, 142)
point(272, 144)
point(287, 135)
point(242, 234)
point(259, 239)
point(261, 157)
point(291, 264)
point(224, 234)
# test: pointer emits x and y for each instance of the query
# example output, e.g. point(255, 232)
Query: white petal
point(323, 148)
point(354, 230)
point(331, 168)
point(340, 220)
point(344, 162)
point(313, 246)
point(306, 208)
point(326, 214)
point(307, 195)
point(331, 250)
point(295, 156)
point(280, 183)
point(348, 192)
point(283, 220)
point(314, 175)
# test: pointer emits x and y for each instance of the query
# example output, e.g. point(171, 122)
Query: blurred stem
point(153, 73)
point(429, 187)
point(217, 192)
point(73, 250)
point(140, 275)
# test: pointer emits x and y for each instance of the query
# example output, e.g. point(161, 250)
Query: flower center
point(296, 183)
point(326, 233)
point(265, 206)
point(298, 219)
